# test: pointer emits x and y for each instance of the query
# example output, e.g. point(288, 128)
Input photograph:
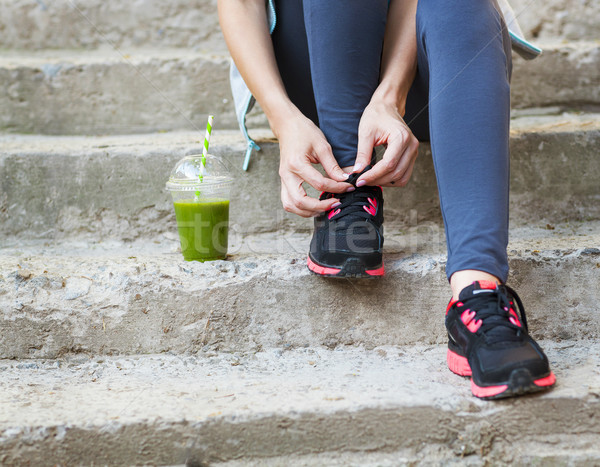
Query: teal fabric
point(242, 97)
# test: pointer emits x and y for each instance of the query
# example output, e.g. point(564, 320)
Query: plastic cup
point(201, 200)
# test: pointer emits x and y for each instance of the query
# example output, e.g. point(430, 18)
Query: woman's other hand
point(245, 28)
point(302, 144)
point(380, 124)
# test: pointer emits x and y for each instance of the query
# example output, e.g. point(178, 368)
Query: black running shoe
point(488, 340)
point(348, 239)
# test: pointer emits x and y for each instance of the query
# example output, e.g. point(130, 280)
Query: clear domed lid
point(191, 174)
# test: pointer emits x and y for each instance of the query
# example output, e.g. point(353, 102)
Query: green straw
point(205, 149)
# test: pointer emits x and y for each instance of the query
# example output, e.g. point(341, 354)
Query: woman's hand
point(382, 124)
point(301, 145)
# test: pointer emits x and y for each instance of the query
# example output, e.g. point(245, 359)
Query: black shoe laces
point(493, 309)
point(353, 203)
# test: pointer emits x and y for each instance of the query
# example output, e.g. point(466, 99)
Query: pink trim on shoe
point(458, 364)
point(326, 271)
point(467, 318)
point(513, 318)
point(487, 391)
point(333, 212)
point(376, 272)
point(452, 302)
point(547, 381)
point(314, 267)
point(370, 209)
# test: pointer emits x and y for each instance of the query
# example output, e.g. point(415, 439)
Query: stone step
point(566, 75)
point(146, 90)
point(89, 24)
point(539, 454)
point(93, 24)
point(551, 20)
point(107, 92)
point(100, 299)
point(386, 406)
point(113, 187)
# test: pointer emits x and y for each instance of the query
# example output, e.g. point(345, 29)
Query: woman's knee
point(466, 19)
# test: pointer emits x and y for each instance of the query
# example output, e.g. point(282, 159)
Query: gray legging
point(329, 55)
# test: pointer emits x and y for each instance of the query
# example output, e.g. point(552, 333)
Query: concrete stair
point(61, 300)
point(113, 187)
point(115, 351)
point(93, 24)
point(104, 91)
point(386, 406)
point(144, 90)
point(89, 24)
point(91, 284)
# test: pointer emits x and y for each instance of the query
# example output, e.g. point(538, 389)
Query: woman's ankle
point(462, 279)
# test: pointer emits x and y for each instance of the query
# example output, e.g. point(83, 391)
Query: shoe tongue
point(489, 285)
point(476, 288)
point(499, 333)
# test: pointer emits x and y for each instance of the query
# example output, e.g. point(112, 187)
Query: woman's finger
point(402, 172)
point(327, 160)
point(320, 183)
point(295, 199)
point(364, 154)
point(385, 166)
point(399, 152)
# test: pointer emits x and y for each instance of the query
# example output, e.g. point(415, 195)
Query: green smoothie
point(203, 228)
